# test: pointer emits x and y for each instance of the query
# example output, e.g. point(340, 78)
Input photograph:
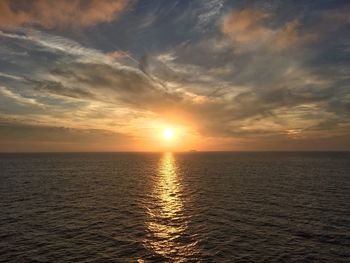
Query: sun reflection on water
point(167, 222)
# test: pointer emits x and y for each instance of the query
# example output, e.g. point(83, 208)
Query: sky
point(103, 75)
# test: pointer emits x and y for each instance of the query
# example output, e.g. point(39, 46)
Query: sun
point(168, 134)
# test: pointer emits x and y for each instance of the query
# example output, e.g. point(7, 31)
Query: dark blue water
point(181, 207)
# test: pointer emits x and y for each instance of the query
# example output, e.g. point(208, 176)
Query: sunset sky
point(105, 75)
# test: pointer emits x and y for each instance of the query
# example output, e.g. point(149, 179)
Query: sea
point(175, 207)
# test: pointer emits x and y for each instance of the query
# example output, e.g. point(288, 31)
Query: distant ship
point(193, 151)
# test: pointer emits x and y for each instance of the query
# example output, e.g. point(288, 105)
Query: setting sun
point(155, 122)
point(168, 134)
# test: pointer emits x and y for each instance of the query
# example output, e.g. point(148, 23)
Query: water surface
point(175, 207)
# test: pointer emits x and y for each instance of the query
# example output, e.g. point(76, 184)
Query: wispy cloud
point(209, 12)
point(19, 98)
point(10, 76)
point(64, 45)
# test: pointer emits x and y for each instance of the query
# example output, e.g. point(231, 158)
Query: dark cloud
point(115, 84)
point(58, 89)
point(16, 137)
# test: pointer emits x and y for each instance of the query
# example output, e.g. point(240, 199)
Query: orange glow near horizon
point(166, 135)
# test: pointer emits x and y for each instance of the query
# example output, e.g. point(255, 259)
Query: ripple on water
point(198, 207)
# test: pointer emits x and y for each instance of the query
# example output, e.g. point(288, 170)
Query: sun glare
point(168, 134)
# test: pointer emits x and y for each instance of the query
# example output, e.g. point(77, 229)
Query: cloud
point(87, 71)
point(57, 44)
point(250, 27)
point(254, 98)
point(10, 76)
point(264, 94)
point(209, 11)
point(17, 137)
point(59, 14)
point(335, 18)
point(117, 54)
point(56, 88)
point(290, 36)
point(19, 98)
point(115, 86)
point(246, 26)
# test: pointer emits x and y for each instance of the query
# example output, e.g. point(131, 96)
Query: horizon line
point(189, 151)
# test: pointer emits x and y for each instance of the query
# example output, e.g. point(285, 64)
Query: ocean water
point(175, 207)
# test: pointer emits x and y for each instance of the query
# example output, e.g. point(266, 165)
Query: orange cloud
point(247, 27)
point(116, 54)
point(63, 13)
point(290, 36)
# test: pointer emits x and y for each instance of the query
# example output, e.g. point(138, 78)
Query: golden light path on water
point(167, 222)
